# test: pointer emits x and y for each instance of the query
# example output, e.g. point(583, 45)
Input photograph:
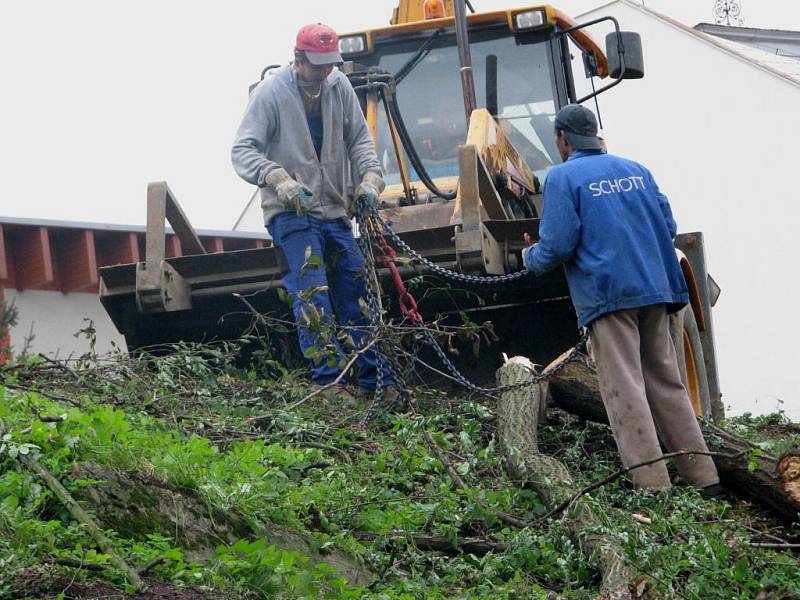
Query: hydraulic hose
point(385, 83)
point(421, 53)
point(390, 102)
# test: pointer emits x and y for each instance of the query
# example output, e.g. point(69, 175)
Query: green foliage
point(8, 319)
point(193, 421)
point(272, 573)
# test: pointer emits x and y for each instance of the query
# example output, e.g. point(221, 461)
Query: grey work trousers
point(640, 383)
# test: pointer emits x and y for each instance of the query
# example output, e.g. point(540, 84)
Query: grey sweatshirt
point(274, 134)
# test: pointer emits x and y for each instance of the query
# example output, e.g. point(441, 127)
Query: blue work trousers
point(323, 254)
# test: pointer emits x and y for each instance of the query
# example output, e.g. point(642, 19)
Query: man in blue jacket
point(607, 222)
point(301, 134)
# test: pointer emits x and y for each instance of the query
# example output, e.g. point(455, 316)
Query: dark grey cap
point(580, 127)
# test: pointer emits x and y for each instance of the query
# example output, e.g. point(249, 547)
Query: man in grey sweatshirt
point(303, 138)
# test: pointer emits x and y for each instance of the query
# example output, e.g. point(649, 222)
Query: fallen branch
point(332, 449)
point(61, 367)
point(319, 390)
point(519, 411)
point(151, 565)
point(745, 470)
point(617, 474)
point(81, 516)
point(436, 543)
point(59, 398)
point(52, 418)
point(459, 483)
point(75, 564)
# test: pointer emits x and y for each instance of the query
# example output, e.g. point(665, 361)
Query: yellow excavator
point(461, 107)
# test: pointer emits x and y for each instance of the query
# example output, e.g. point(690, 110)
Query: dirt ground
point(40, 583)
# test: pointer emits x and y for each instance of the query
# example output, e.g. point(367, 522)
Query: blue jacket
point(605, 219)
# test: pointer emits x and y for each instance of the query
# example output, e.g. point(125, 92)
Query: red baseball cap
point(320, 43)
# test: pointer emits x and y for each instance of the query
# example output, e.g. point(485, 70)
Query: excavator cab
point(429, 95)
point(523, 73)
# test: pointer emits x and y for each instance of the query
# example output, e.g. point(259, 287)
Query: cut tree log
point(82, 517)
point(519, 410)
point(136, 505)
point(773, 482)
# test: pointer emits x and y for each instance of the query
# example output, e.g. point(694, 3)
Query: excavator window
point(430, 99)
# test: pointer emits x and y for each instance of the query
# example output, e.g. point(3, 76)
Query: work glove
point(370, 187)
point(291, 194)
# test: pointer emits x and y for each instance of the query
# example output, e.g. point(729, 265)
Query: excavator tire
point(686, 337)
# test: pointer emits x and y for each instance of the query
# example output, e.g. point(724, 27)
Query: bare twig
point(60, 366)
point(617, 474)
point(459, 483)
point(75, 564)
point(776, 546)
point(51, 395)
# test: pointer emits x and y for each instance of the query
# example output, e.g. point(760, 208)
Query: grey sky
point(102, 96)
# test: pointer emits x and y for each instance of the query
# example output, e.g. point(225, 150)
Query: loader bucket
point(218, 294)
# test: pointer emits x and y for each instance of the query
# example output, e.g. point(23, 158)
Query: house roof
point(786, 65)
point(42, 254)
point(56, 224)
point(785, 68)
point(777, 38)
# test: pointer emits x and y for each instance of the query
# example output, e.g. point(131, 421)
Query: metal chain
point(574, 354)
point(383, 354)
point(371, 226)
point(402, 246)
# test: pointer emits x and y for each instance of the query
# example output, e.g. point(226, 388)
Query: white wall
point(54, 318)
point(721, 138)
point(252, 217)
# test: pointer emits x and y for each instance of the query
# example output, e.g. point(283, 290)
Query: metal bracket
point(476, 191)
point(159, 287)
point(494, 260)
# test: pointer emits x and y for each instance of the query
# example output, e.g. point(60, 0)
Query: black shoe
point(714, 490)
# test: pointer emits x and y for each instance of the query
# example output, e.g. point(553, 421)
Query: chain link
point(403, 247)
point(371, 227)
point(383, 353)
point(574, 354)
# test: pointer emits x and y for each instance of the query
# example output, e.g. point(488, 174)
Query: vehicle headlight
point(530, 19)
point(353, 44)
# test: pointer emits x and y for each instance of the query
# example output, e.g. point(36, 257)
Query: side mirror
point(625, 49)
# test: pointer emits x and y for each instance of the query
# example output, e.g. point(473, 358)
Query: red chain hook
point(408, 305)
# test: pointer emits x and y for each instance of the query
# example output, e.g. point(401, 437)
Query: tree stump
point(519, 411)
